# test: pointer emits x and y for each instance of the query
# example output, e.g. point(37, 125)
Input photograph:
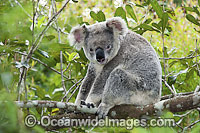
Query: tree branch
point(176, 104)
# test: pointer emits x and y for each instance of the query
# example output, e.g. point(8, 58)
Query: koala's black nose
point(100, 55)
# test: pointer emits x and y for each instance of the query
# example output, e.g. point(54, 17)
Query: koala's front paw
point(87, 104)
point(102, 110)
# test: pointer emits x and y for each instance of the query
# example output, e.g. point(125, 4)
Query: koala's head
point(100, 41)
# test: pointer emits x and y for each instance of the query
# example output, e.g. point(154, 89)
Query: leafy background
point(174, 24)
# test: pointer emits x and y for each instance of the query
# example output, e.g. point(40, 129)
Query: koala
point(123, 69)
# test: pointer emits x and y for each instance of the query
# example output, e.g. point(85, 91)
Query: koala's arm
point(86, 84)
point(95, 95)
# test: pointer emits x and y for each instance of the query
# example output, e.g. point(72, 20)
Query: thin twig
point(196, 89)
point(178, 94)
point(3, 54)
point(71, 89)
point(40, 36)
point(22, 8)
point(196, 57)
point(61, 31)
point(61, 71)
point(73, 92)
point(53, 18)
point(56, 22)
point(67, 67)
point(51, 68)
point(191, 125)
point(174, 90)
point(177, 58)
point(25, 88)
point(163, 41)
point(183, 115)
point(22, 71)
point(166, 84)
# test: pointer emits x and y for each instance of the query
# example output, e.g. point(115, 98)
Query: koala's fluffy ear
point(118, 25)
point(77, 36)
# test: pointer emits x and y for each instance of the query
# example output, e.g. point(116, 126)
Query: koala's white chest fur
point(98, 68)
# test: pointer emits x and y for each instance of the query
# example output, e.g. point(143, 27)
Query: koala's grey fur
point(131, 72)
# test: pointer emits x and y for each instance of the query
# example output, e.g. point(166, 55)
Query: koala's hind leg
point(118, 88)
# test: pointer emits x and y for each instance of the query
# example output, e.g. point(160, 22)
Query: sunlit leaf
point(164, 21)
point(50, 37)
point(73, 55)
point(121, 13)
point(101, 16)
point(131, 12)
point(80, 20)
point(148, 21)
point(196, 10)
point(156, 26)
point(189, 9)
point(93, 15)
point(98, 16)
point(190, 74)
point(157, 8)
point(197, 30)
point(192, 19)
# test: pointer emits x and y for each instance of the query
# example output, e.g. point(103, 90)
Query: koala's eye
point(91, 50)
point(108, 47)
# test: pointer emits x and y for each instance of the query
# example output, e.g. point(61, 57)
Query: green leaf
point(190, 74)
point(172, 16)
point(73, 55)
point(148, 21)
point(189, 9)
point(93, 15)
point(40, 21)
point(169, 28)
point(101, 16)
point(164, 21)
point(146, 27)
point(80, 20)
point(197, 30)
point(120, 12)
point(156, 26)
point(199, 2)
point(68, 28)
point(157, 8)
point(49, 37)
point(196, 10)
point(130, 11)
point(191, 18)
point(140, 31)
point(172, 63)
point(165, 52)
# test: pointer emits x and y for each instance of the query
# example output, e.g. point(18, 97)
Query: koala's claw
point(89, 105)
point(83, 102)
point(102, 111)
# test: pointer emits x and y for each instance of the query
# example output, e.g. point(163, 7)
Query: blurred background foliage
point(176, 23)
